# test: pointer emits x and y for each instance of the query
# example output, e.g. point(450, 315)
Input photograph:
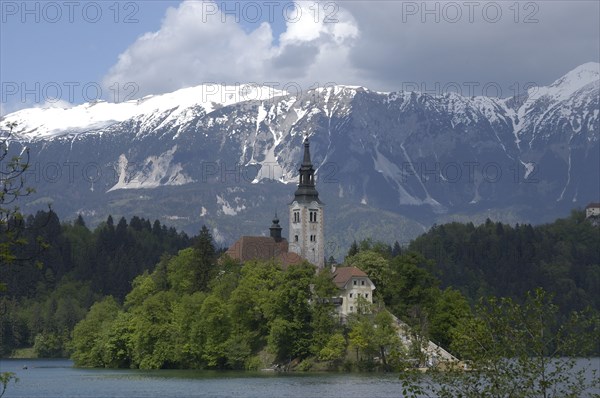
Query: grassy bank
point(24, 353)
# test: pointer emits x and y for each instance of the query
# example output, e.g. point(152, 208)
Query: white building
point(354, 285)
point(592, 210)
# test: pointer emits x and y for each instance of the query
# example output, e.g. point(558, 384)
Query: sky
point(57, 53)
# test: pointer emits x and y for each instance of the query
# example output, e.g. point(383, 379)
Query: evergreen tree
point(396, 250)
point(156, 228)
point(205, 260)
point(136, 223)
point(353, 249)
point(330, 262)
point(79, 221)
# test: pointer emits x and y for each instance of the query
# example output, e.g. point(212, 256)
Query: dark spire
point(306, 161)
point(275, 229)
point(306, 191)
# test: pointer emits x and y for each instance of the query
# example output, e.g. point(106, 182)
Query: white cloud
point(195, 46)
point(382, 45)
point(187, 51)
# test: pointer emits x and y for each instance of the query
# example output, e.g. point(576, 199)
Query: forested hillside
point(160, 295)
point(60, 270)
point(197, 311)
point(497, 259)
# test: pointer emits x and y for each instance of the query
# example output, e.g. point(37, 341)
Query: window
point(354, 282)
point(366, 295)
point(357, 294)
point(295, 238)
point(362, 283)
point(296, 216)
point(313, 238)
point(351, 308)
point(350, 295)
point(312, 216)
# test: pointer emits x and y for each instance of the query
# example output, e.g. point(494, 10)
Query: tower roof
point(343, 275)
point(306, 160)
point(306, 191)
point(275, 229)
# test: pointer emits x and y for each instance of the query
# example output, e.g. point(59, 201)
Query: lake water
point(56, 378)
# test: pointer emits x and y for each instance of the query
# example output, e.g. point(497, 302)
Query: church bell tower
point(306, 216)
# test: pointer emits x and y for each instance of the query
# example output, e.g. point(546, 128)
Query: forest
point(139, 294)
point(60, 269)
point(495, 259)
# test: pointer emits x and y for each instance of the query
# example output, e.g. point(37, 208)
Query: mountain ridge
point(420, 157)
point(215, 96)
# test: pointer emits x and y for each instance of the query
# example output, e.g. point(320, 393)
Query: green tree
point(189, 330)
point(386, 338)
point(291, 313)
point(154, 332)
point(516, 350)
point(216, 327)
point(353, 249)
point(206, 259)
point(324, 319)
point(88, 336)
point(251, 303)
point(360, 335)
point(5, 379)
point(396, 250)
point(182, 271)
point(281, 340)
point(410, 285)
point(335, 349)
point(449, 311)
point(117, 343)
point(12, 187)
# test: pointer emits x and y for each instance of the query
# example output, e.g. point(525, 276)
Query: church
point(306, 233)
point(306, 241)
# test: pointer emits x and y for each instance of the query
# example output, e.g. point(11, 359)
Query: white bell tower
point(306, 216)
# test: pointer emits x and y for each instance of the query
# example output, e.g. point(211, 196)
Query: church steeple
point(306, 191)
point(306, 161)
point(306, 215)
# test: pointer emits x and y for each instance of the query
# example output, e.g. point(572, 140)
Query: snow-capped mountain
point(389, 164)
point(179, 106)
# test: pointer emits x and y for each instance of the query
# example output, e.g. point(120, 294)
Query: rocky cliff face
point(389, 164)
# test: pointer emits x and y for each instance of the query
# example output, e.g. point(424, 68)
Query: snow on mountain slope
point(567, 85)
point(48, 123)
point(574, 96)
point(177, 108)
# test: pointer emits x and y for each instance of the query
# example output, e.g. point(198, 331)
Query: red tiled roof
point(263, 248)
point(592, 205)
point(290, 258)
point(342, 275)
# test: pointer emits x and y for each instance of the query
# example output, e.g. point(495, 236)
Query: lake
point(56, 378)
point(49, 378)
